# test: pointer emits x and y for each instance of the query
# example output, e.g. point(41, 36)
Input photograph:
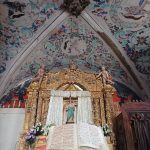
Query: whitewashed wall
point(11, 125)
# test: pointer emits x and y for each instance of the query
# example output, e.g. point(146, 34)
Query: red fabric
point(12, 103)
point(16, 104)
point(116, 98)
point(25, 97)
point(6, 105)
point(22, 104)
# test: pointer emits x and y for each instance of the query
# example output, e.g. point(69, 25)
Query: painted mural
point(129, 22)
point(16, 97)
point(123, 94)
point(20, 20)
point(73, 40)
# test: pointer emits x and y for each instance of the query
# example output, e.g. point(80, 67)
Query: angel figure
point(106, 77)
point(39, 74)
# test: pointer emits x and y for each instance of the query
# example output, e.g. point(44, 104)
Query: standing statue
point(106, 77)
point(70, 113)
point(39, 74)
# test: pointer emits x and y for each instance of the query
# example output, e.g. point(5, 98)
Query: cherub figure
point(106, 77)
point(40, 73)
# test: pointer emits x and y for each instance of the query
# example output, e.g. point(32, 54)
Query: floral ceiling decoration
point(129, 22)
point(71, 41)
point(22, 21)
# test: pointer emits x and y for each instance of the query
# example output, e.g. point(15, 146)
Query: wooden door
point(133, 127)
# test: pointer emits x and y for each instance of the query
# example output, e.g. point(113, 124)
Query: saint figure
point(70, 113)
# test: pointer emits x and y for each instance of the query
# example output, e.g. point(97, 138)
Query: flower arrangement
point(31, 137)
point(34, 131)
point(106, 130)
point(39, 129)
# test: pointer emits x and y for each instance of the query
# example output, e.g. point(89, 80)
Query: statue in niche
point(106, 77)
point(39, 74)
point(69, 112)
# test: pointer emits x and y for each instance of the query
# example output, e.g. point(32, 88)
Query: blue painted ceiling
point(74, 39)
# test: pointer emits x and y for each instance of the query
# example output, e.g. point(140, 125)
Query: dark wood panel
point(133, 127)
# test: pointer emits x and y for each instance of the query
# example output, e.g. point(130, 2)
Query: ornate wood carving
point(133, 127)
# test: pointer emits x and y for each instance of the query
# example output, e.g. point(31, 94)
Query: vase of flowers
point(31, 137)
point(33, 133)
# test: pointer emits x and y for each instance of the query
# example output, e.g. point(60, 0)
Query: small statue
point(39, 74)
point(70, 112)
point(106, 77)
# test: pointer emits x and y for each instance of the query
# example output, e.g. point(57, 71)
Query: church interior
point(74, 74)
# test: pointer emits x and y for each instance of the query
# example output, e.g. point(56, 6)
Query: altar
point(76, 137)
point(72, 100)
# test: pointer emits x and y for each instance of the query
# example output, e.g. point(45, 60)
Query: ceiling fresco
point(73, 39)
point(71, 42)
point(129, 22)
point(19, 23)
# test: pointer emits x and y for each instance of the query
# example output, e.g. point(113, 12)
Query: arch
point(74, 83)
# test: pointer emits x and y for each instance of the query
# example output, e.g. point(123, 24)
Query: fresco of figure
point(138, 9)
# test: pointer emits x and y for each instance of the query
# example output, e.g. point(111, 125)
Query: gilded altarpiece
point(39, 97)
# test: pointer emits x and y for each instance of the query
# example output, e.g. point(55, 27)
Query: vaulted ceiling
point(110, 33)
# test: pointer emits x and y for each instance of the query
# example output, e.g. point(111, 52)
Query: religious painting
point(69, 110)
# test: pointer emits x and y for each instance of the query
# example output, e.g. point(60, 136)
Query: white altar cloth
point(80, 136)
